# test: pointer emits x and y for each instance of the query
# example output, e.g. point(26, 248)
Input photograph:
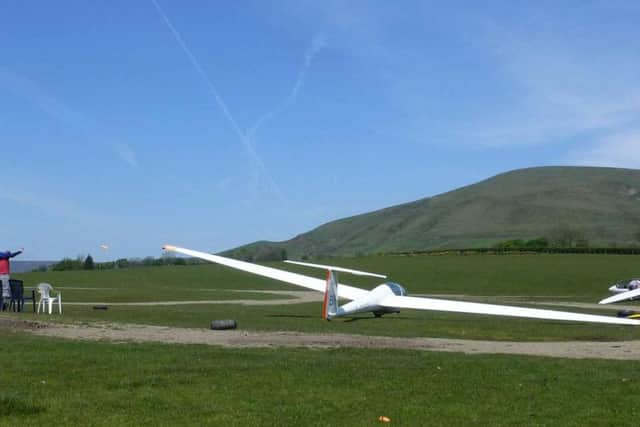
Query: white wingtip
point(635, 293)
point(334, 268)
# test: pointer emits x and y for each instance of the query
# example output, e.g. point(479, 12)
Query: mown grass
point(583, 276)
point(94, 384)
point(160, 294)
point(44, 380)
point(556, 277)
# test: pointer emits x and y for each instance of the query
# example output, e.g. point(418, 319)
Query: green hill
point(567, 205)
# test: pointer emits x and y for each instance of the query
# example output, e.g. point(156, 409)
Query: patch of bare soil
point(624, 350)
point(20, 325)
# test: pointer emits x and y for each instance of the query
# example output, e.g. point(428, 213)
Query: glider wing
point(621, 297)
point(497, 310)
point(344, 291)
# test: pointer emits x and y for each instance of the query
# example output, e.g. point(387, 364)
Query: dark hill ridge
point(20, 266)
point(601, 205)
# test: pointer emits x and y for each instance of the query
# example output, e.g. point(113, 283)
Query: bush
point(68, 264)
point(122, 263)
point(88, 263)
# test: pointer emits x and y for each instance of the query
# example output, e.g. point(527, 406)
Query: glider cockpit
point(396, 289)
point(627, 285)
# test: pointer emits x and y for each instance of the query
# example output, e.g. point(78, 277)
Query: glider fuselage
point(371, 301)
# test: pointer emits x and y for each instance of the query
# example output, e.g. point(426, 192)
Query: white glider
point(388, 297)
point(623, 291)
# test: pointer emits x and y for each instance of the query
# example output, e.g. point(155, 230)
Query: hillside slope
point(601, 205)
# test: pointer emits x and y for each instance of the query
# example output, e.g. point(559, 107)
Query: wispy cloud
point(57, 110)
point(26, 88)
point(556, 90)
point(127, 154)
point(317, 43)
point(244, 139)
point(620, 150)
point(51, 205)
point(543, 77)
point(224, 184)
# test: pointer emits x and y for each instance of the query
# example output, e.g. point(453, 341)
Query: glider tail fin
point(330, 305)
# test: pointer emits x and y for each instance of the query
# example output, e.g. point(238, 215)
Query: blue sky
point(213, 124)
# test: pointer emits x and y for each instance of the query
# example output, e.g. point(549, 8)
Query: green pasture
point(47, 380)
point(102, 384)
point(585, 277)
point(487, 277)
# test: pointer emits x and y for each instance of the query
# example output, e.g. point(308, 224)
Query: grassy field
point(99, 383)
point(536, 277)
point(94, 384)
point(583, 276)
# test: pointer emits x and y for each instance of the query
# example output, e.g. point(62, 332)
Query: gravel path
point(623, 350)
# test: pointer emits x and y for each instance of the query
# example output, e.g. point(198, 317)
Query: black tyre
point(221, 325)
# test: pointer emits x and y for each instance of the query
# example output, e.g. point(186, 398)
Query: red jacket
point(5, 267)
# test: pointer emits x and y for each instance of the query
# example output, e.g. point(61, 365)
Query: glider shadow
point(293, 316)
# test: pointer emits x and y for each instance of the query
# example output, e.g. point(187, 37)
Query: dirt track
point(627, 350)
point(290, 297)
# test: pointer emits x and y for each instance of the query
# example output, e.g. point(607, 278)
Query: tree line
point(88, 263)
point(521, 250)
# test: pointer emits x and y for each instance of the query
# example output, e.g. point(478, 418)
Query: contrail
point(223, 106)
point(317, 43)
point(127, 154)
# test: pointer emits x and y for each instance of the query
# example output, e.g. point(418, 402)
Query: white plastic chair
point(44, 289)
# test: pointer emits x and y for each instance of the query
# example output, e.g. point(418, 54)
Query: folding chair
point(17, 295)
point(44, 289)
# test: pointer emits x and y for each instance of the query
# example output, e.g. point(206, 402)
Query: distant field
point(582, 276)
point(101, 384)
point(554, 277)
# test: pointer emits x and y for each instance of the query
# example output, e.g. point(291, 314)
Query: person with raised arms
point(5, 273)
